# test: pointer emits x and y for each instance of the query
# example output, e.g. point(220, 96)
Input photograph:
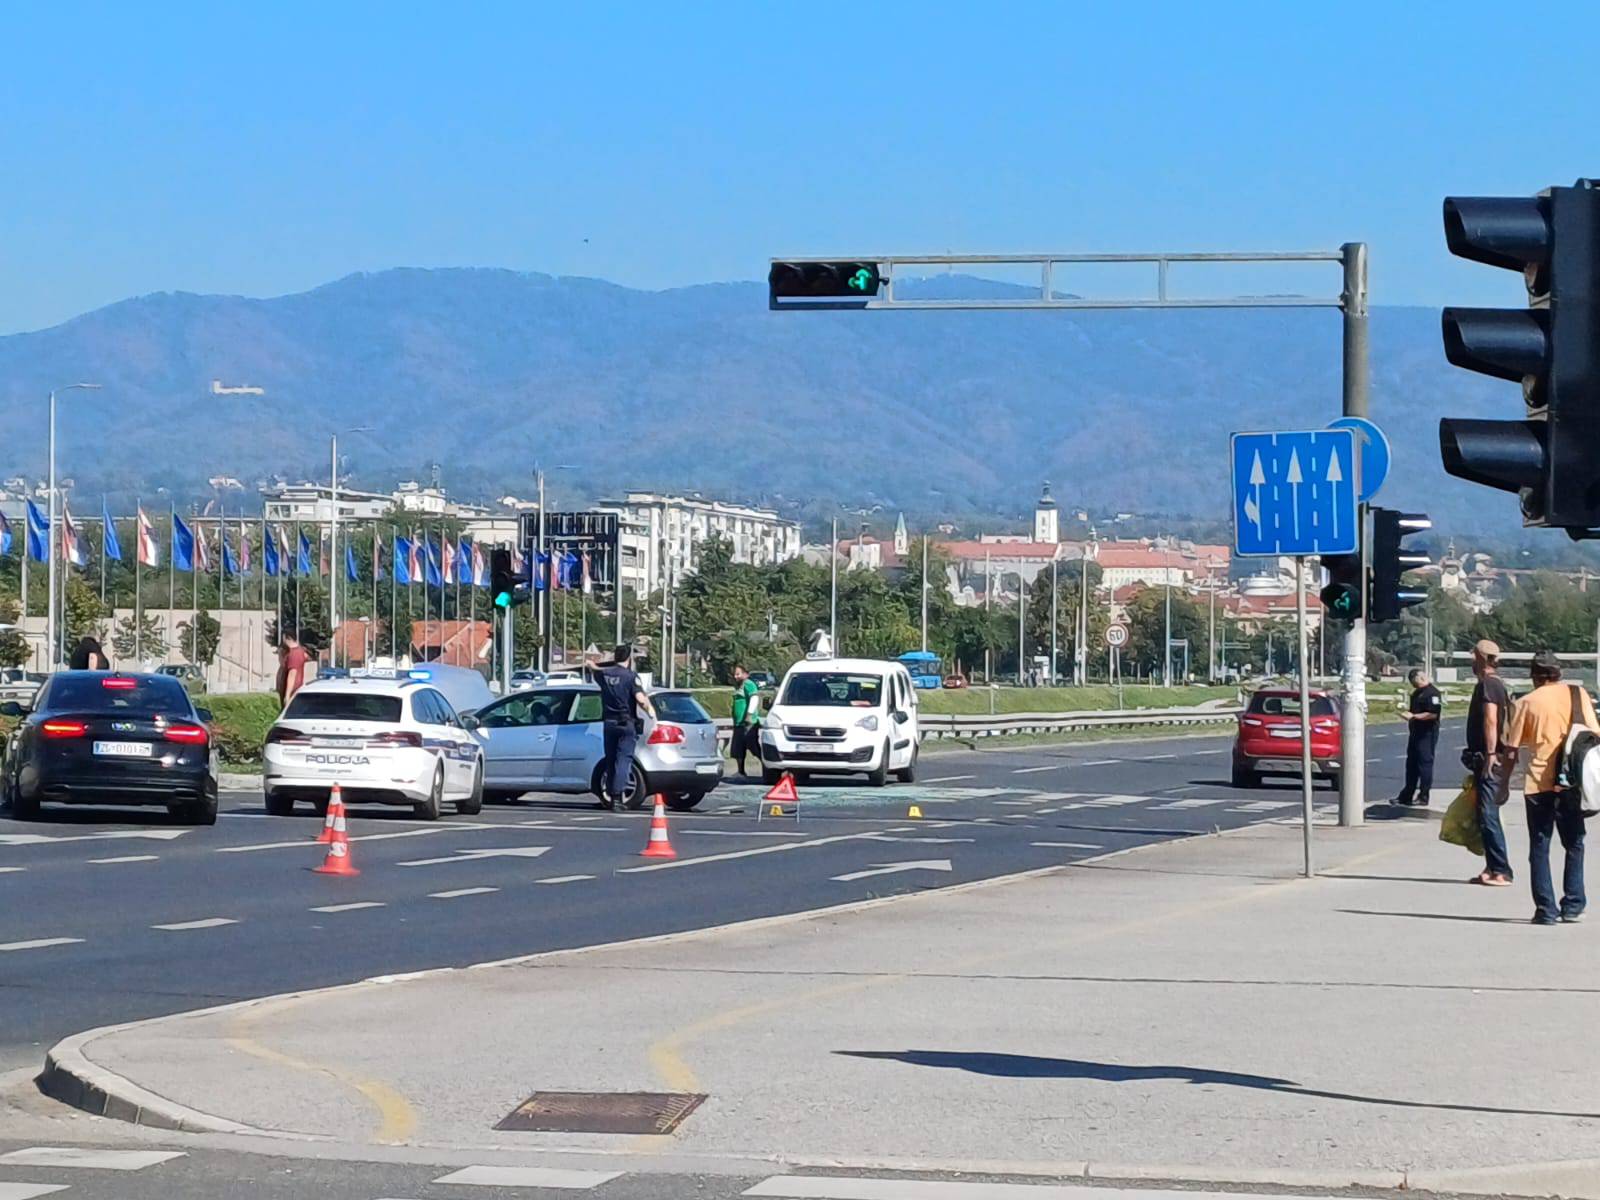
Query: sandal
point(1497, 881)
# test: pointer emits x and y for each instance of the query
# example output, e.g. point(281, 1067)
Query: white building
point(662, 535)
point(312, 503)
point(1046, 519)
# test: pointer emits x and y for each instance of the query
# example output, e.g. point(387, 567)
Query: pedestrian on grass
point(1422, 736)
point(88, 656)
point(1487, 715)
point(1540, 723)
point(622, 697)
point(746, 715)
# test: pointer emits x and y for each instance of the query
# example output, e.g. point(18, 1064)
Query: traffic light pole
point(1353, 723)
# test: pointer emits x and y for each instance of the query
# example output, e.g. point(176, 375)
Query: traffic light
point(502, 583)
point(1341, 596)
point(1552, 455)
point(858, 279)
point(1391, 560)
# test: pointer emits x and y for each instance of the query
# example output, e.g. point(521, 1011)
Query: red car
point(1268, 742)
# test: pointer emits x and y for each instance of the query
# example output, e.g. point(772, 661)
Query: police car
point(385, 736)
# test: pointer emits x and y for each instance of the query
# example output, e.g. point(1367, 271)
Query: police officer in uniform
point(622, 698)
point(1422, 736)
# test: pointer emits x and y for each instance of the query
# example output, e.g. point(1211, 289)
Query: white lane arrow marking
point(1252, 504)
point(1294, 479)
point(41, 839)
point(475, 855)
point(927, 864)
point(1335, 477)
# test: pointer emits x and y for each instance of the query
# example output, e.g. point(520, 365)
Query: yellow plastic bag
point(1460, 827)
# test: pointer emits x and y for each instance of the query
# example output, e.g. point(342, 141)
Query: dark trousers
point(1491, 787)
point(1419, 764)
point(620, 741)
point(745, 741)
point(1553, 812)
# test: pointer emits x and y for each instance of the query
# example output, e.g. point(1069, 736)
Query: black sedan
point(110, 737)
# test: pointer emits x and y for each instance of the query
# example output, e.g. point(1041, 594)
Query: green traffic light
point(863, 280)
point(503, 600)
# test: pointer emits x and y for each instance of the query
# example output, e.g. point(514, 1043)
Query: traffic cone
point(915, 813)
point(658, 846)
point(338, 860)
point(335, 808)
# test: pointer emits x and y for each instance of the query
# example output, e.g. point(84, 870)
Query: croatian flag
point(72, 547)
point(146, 551)
point(377, 557)
point(588, 580)
point(447, 559)
point(413, 564)
point(202, 554)
point(244, 548)
point(480, 569)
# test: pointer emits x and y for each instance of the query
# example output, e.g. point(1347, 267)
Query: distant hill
point(487, 372)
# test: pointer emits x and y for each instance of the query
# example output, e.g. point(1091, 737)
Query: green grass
point(240, 722)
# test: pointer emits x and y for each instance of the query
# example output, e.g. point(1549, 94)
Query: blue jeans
point(1547, 812)
point(1491, 789)
point(618, 763)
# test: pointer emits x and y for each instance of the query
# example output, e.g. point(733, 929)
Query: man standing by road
point(1487, 714)
point(745, 738)
point(292, 660)
point(1422, 736)
point(621, 696)
point(1540, 724)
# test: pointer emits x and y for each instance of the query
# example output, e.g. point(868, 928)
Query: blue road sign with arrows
point(1295, 493)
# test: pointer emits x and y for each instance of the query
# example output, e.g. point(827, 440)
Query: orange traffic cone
point(338, 860)
point(335, 809)
point(658, 846)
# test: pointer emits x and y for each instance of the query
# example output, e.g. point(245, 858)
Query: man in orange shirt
point(1540, 723)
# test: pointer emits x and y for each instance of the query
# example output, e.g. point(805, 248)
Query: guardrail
point(971, 726)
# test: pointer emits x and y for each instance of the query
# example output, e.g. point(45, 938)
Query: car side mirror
point(468, 721)
point(205, 715)
point(11, 709)
point(901, 717)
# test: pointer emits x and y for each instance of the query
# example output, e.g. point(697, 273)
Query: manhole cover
point(602, 1112)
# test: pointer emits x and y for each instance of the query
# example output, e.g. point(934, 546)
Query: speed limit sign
point(1116, 635)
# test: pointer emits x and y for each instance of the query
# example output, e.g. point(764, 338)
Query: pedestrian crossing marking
point(99, 1160)
point(529, 1177)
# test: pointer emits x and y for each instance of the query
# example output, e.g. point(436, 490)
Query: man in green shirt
point(746, 715)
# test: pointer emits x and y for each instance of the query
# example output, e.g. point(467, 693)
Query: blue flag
point(464, 561)
point(402, 560)
point(229, 566)
point(540, 564)
point(269, 552)
point(109, 546)
point(38, 534)
point(431, 565)
point(304, 565)
point(182, 544)
point(5, 535)
point(350, 571)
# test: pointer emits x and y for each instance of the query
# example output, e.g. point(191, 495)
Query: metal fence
point(970, 727)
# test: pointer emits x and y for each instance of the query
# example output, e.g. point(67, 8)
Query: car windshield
point(833, 689)
point(344, 706)
point(680, 708)
point(1272, 705)
point(146, 695)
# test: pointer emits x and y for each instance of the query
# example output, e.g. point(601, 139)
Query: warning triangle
point(783, 792)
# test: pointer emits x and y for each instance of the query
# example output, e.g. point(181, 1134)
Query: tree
point(13, 645)
point(143, 638)
point(83, 614)
point(1147, 628)
point(1068, 580)
point(200, 637)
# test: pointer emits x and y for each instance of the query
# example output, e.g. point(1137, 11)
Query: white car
point(842, 716)
point(385, 737)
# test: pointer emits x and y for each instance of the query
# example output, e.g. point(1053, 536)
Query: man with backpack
point(1541, 723)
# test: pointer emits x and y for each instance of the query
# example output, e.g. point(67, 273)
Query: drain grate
point(602, 1112)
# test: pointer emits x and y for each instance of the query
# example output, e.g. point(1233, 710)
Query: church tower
point(1046, 520)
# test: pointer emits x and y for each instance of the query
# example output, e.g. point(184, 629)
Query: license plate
point(339, 743)
point(813, 747)
point(1286, 733)
point(125, 749)
point(708, 768)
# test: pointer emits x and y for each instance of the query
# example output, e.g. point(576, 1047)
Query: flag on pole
point(464, 560)
point(202, 552)
point(72, 547)
point(541, 572)
point(270, 561)
point(350, 571)
point(405, 561)
point(182, 544)
point(244, 548)
point(480, 570)
point(5, 535)
point(587, 580)
point(518, 563)
point(413, 560)
point(304, 565)
point(377, 557)
point(230, 566)
point(109, 546)
point(431, 565)
point(447, 560)
point(38, 533)
point(285, 561)
point(145, 548)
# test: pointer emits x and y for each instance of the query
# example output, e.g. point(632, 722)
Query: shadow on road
point(1028, 1066)
point(1422, 916)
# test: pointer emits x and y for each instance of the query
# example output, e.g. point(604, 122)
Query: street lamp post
point(924, 593)
point(333, 543)
point(52, 651)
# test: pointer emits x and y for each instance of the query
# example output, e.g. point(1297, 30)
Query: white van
point(842, 716)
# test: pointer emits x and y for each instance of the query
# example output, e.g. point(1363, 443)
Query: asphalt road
point(114, 915)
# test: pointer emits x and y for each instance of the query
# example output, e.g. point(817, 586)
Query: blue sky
point(267, 149)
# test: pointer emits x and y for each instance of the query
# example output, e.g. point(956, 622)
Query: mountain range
point(488, 372)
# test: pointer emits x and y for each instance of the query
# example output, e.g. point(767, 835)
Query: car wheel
point(638, 790)
point(908, 774)
point(684, 801)
point(279, 806)
point(428, 810)
point(196, 812)
point(880, 776)
point(1243, 777)
point(22, 807)
point(473, 804)
point(500, 797)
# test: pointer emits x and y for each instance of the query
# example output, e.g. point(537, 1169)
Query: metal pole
point(924, 593)
point(1211, 636)
point(1081, 656)
point(1055, 617)
point(138, 598)
point(333, 552)
point(50, 604)
point(988, 590)
point(833, 588)
point(105, 524)
point(172, 578)
point(1166, 649)
point(1022, 633)
point(1353, 725)
point(1305, 710)
point(541, 598)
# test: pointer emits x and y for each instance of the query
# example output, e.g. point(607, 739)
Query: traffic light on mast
point(502, 583)
point(1391, 560)
point(1341, 596)
point(860, 280)
point(1551, 456)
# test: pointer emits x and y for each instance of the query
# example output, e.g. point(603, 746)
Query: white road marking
point(203, 923)
point(477, 891)
point(128, 858)
point(575, 828)
point(825, 1187)
point(100, 1160)
point(43, 839)
point(1036, 770)
point(565, 879)
point(937, 841)
point(1198, 752)
point(530, 1177)
point(1019, 803)
point(1153, 757)
point(585, 818)
point(339, 908)
point(461, 856)
point(949, 778)
point(1065, 845)
point(1262, 806)
point(28, 1191)
point(926, 864)
point(1192, 802)
point(1114, 800)
point(1099, 762)
point(38, 944)
point(11, 870)
point(1045, 812)
point(671, 864)
point(365, 837)
point(766, 833)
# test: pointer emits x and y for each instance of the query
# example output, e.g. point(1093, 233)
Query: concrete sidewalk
point(1186, 1011)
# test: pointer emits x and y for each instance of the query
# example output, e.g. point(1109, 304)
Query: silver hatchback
point(549, 739)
